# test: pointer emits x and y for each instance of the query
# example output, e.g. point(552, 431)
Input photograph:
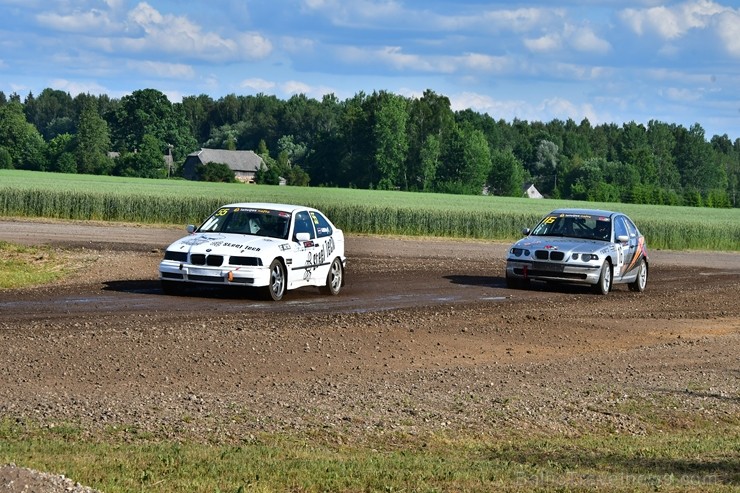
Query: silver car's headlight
point(585, 257)
point(518, 252)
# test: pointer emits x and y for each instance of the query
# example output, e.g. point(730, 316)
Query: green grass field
point(88, 197)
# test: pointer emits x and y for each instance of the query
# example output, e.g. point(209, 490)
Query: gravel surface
point(424, 338)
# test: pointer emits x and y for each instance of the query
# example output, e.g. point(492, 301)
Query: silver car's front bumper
point(553, 271)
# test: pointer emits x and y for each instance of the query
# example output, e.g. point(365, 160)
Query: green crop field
point(138, 200)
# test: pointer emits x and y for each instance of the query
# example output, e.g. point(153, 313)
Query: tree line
point(379, 140)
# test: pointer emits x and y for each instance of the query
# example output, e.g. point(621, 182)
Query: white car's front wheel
point(335, 278)
point(276, 289)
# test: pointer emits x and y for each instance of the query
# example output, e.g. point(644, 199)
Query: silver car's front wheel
point(605, 279)
point(640, 281)
point(276, 288)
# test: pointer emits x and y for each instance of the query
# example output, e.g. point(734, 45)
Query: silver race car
point(585, 246)
point(275, 247)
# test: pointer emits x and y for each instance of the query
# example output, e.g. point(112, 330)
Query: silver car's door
point(626, 228)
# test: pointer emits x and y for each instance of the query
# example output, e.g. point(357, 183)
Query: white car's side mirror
point(623, 238)
point(302, 236)
point(190, 228)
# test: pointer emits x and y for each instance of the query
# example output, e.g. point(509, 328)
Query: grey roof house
point(244, 164)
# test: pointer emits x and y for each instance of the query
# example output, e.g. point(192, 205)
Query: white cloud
point(562, 109)
point(256, 84)
point(78, 87)
point(675, 21)
point(145, 30)
point(293, 87)
point(545, 110)
point(395, 58)
point(582, 72)
point(585, 40)
point(162, 69)
point(681, 95)
point(390, 14)
point(79, 22)
point(179, 36)
point(549, 42)
point(582, 39)
point(519, 20)
point(728, 29)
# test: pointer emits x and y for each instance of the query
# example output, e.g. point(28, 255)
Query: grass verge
point(685, 461)
point(22, 266)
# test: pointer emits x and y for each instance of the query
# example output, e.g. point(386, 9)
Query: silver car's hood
point(224, 243)
point(560, 243)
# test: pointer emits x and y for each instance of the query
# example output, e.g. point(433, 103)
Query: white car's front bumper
point(170, 270)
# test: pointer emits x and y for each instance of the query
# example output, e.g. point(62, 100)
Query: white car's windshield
point(256, 222)
point(567, 225)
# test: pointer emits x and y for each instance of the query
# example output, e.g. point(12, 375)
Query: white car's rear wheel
point(640, 281)
point(605, 279)
point(334, 279)
point(276, 289)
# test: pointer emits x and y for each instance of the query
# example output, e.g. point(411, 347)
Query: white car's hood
point(224, 243)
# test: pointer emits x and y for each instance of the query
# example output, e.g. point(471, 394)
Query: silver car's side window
point(620, 228)
point(631, 227)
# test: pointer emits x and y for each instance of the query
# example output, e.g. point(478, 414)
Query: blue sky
point(608, 61)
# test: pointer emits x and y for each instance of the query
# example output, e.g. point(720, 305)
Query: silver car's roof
point(592, 212)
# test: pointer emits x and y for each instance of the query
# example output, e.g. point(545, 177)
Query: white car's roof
point(267, 205)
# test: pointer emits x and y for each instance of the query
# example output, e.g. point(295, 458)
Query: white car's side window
point(303, 224)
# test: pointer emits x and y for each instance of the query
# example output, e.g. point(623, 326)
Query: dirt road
point(424, 337)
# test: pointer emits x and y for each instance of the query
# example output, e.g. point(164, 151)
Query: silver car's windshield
point(586, 226)
point(256, 222)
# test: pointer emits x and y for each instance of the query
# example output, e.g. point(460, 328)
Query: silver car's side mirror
point(526, 231)
point(623, 238)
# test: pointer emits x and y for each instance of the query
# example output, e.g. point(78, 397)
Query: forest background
point(371, 141)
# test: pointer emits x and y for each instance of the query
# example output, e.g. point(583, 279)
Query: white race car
point(275, 247)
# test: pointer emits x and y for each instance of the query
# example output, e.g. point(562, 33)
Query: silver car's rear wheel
point(276, 289)
point(334, 279)
point(605, 279)
point(640, 281)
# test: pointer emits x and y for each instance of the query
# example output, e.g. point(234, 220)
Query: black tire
point(516, 283)
point(278, 281)
point(334, 278)
point(640, 282)
point(605, 279)
point(172, 288)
